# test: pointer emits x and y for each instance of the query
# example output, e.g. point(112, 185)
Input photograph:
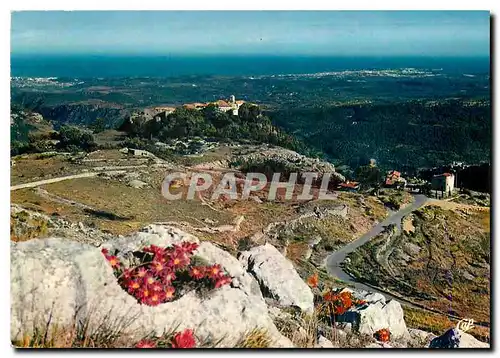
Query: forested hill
point(406, 136)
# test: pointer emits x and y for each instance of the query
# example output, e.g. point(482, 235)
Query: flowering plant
point(184, 339)
point(382, 335)
point(339, 302)
point(155, 275)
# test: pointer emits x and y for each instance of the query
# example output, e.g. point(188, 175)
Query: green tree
point(71, 137)
point(99, 125)
point(369, 176)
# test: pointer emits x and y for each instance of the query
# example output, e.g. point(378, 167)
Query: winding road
point(334, 260)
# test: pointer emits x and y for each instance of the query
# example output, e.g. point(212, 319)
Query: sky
point(341, 33)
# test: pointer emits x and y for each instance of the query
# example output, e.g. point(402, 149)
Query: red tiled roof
point(352, 185)
point(222, 103)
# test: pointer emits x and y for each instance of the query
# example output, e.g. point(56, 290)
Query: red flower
point(155, 299)
point(158, 252)
point(214, 271)
point(222, 281)
point(133, 285)
point(104, 251)
point(142, 272)
point(127, 274)
point(168, 276)
point(114, 261)
point(145, 343)
point(312, 281)
point(340, 302)
point(382, 335)
point(158, 266)
point(169, 293)
point(184, 339)
point(144, 293)
point(156, 287)
point(189, 247)
point(197, 272)
point(149, 280)
point(178, 259)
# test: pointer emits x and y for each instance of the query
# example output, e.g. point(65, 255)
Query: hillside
point(441, 260)
point(404, 135)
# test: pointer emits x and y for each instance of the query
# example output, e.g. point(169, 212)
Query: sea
point(106, 66)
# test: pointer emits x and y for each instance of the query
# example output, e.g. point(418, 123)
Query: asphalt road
point(336, 258)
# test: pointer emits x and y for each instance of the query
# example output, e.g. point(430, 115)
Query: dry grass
point(32, 167)
point(108, 333)
point(132, 208)
point(24, 227)
point(438, 324)
point(256, 338)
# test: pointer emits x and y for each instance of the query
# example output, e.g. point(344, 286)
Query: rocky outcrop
point(377, 314)
point(277, 277)
point(285, 158)
point(62, 281)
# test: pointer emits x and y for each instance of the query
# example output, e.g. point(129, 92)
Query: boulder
point(454, 338)
point(58, 280)
point(137, 184)
point(378, 315)
point(420, 337)
point(277, 277)
point(323, 342)
point(468, 341)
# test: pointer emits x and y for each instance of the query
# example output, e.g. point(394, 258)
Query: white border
point(8, 6)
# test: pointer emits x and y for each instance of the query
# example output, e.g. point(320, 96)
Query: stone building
point(444, 183)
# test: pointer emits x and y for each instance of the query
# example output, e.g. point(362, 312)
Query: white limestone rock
point(277, 277)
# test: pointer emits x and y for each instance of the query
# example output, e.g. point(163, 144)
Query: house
point(444, 183)
point(352, 186)
point(394, 180)
point(224, 105)
point(137, 152)
point(166, 110)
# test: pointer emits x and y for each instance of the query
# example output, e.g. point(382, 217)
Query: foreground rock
point(377, 314)
point(59, 281)
point(277, 277)
point(454, 338)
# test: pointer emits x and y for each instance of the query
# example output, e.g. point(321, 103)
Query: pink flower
point(155, 299)
point(127, 274)
point(214, 271)
point(113, 261)
point(197, 272)
point(168, 276)
point(184, 339)
point(141, 272)
point(145, 343)
point(169, 293)
point(133, 285)
point(189, 247)
point(224, 280)
point(156, 287)
point(157, 251)
point(149, 280)
point(158, 266)
point(178, 259)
